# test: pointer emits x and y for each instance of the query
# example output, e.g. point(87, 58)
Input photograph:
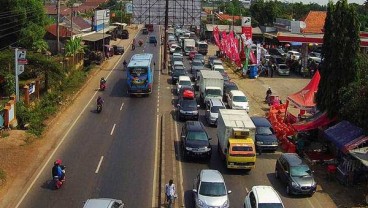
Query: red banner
point(247, 31)
point(216, 35)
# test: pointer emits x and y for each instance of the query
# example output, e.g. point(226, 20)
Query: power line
point(19, 14)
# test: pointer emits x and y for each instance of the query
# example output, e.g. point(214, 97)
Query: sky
point(324, 2)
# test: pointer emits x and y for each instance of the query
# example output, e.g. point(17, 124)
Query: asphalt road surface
point(110, 154)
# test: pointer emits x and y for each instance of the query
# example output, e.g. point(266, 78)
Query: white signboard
point(258, 54)
point(21, 54)
point(246, 21)
point(20, 69)
point(129, 8)
point(11, 112)
point(101, 19)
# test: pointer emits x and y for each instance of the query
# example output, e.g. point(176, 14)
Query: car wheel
point(277, 174)
point(288, 190)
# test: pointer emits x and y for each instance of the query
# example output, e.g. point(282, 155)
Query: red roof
point(64, 32)
point(304, 99)
point(315, 21)
point(228, 17)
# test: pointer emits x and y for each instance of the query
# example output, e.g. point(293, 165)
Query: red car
point(192, 54)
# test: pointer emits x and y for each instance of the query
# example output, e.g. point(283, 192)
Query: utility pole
point(166, 28)
point(57, 26)
point(213, 13)
point(71, 20)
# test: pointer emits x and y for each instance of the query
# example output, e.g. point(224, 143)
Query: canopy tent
point(343, 133)
point(319, 119)
point(304, 99)
point(356, 143)
point(361, 154)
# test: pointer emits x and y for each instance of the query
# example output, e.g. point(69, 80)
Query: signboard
point(20, 69)
point(258, 54)
point(101, 19)
point(21, 54)
point(22, 61)
point(32, 88)
point(246, 22)
point(129, 8)
point(247, 31)
point(304, 55)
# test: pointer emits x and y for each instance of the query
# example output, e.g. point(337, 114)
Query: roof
point(184, 78)
point(228, 17)
point(318, 120)
point(63, 31)
point(216, 102)
point(304, 99)
point(266, 194)
point(211, 74)
point(260, 121)
point(99, 203)
point(315, 21)
point(292, 158)
point(361, 154)
point(236, 118)
point(193, 125)
point(95, 37)
point(237, 93)
point(208, 175)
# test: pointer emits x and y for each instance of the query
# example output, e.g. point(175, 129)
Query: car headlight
point(181, 111)
point(202, 203)
point(226, 204)
point(275, 143)
point(189, 148)
point(259, 142)
point(195, 112)
point(294, 185)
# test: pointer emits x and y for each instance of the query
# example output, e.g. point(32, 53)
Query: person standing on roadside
point(170, 192)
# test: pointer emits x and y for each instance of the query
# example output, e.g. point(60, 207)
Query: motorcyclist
point(102, 81)
point(268, 93)
point(140, 42)
point(133, 44)
point(100, 101)
point(125, 64)
point(57, 170)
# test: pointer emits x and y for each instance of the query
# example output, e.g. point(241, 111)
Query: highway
point(110, 154)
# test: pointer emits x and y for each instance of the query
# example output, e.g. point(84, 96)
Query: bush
point(2, 176)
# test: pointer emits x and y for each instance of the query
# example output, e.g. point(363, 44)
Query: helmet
point(99, 97)
point(57, 162)
point(269, 88)
point(102, 78)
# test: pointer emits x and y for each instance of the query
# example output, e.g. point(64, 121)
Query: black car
point(265, 138)
point(228, 86)
point(152, 39)
point(195, 140)
point(196, 66)
point(145, 31)
point(125, 34)
point(296, 174)
point(187, 109)
point(118, 50)
point(176, 73)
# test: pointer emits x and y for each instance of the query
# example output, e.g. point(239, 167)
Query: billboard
point(181, 12)
point(101, 19)
point(129, 8)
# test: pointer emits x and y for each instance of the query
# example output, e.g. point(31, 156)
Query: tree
point(340, 46)
point(74, 47)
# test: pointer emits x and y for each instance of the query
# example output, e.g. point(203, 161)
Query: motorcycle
point(140, 43)
point(102, 86)
point(99, 108)
point(57, 181)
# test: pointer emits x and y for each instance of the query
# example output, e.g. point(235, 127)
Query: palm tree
point(74, 47)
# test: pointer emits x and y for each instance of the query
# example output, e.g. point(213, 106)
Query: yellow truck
point(236, 133)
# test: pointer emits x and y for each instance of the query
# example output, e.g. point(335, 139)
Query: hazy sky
point(324, 2)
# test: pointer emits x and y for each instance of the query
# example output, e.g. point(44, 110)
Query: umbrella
point(287, 45)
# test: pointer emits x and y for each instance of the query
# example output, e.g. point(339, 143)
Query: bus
point(140, 74)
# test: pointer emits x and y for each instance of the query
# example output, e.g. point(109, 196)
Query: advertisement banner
point(101, 19)
point(247, 31)
point(216, 35)
point(129, 8)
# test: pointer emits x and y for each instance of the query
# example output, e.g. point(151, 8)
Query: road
point(111, 154)
point(237, 180)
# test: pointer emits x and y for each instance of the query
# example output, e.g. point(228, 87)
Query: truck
point(189, 45)
point(236, 135)
point(202, 47)
point(211, 85)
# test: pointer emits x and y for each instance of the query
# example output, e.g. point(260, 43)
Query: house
point(315, 21)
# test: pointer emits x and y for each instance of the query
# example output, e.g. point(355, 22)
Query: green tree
point(340, 46)
point(74, 47)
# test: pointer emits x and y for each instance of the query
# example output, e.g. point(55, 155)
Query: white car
point(174, 47)
point(215, 62)
point(219, 68)
point(315, 57)
point(103, 203)
point(237, 100)
point(210, 190)
point(177, 63)
point(294, 55)
point(263, 196)
point(283, 69)
point(183, 81)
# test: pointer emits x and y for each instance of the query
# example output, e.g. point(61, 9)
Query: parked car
point(283, 69)
point(294, 55)
point(196, 66)
point(103, 203)
point(228, 86)
point(298, 177)
point(212, 109)
point(145, 31)
point(176, 73)
point(124, 34)
point(118, 50)
point(210, 190)
point(263, 196)
point(265, 137)
point(183, 81)
point(237, 100)
point(199, 56)
point(187, 109)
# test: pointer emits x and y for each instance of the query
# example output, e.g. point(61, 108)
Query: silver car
point(212, 109)
point(210, 190)
point(103, 203)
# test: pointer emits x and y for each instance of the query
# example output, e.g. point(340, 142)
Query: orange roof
point(228, 17)
point(315, 21)
point(64, 32)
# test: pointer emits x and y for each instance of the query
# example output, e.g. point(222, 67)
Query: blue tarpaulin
point(295, 43)
point(343, 133)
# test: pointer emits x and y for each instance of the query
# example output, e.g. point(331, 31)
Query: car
point(263, 196)
point(199, 56)
point(265, 137)
point(196, 66)
point(171, 38)
point(237, 100)
point(183, 80)
point(192, 54)
point(176, 73)
point(293, 55)
point(145, 31)
point(177, 63)
point(283, 69)
point(210, 190)
point(228, 86)
point(210, 60)
point(277, 60)
point(170, 42)
point(219, 68)
point(315, 57)
point(215, 62)
point(212, 109)
point(296, 174)
point(276, 51)
point(174, 48)
point(124, 34)
point(103, 203)
point(152, 39)
point(195, 142)
point(187, 109)
point(118, 50)
point(183, 93)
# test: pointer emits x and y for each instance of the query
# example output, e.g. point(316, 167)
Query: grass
point(2, 177)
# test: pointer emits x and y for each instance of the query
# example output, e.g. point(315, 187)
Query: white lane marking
point(121, 107)
point(112, 130)
point(62, 139)
point(99, 164)
point(180, 166)
point(154, 197)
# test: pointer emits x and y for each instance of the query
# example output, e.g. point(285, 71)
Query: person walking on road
point(170, 192)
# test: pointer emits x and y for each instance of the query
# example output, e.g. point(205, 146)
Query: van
point(213, 107)
point(237, 100)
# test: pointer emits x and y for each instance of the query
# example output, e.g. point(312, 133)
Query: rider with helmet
point(57, 170)
point(268, 94)
point(100, 101)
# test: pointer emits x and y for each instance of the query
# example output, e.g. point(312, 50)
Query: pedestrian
point(170, 192)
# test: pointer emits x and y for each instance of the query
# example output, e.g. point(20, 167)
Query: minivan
point(265, 137)
point(237, 100)
point(298, 177)
point(212, 110)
